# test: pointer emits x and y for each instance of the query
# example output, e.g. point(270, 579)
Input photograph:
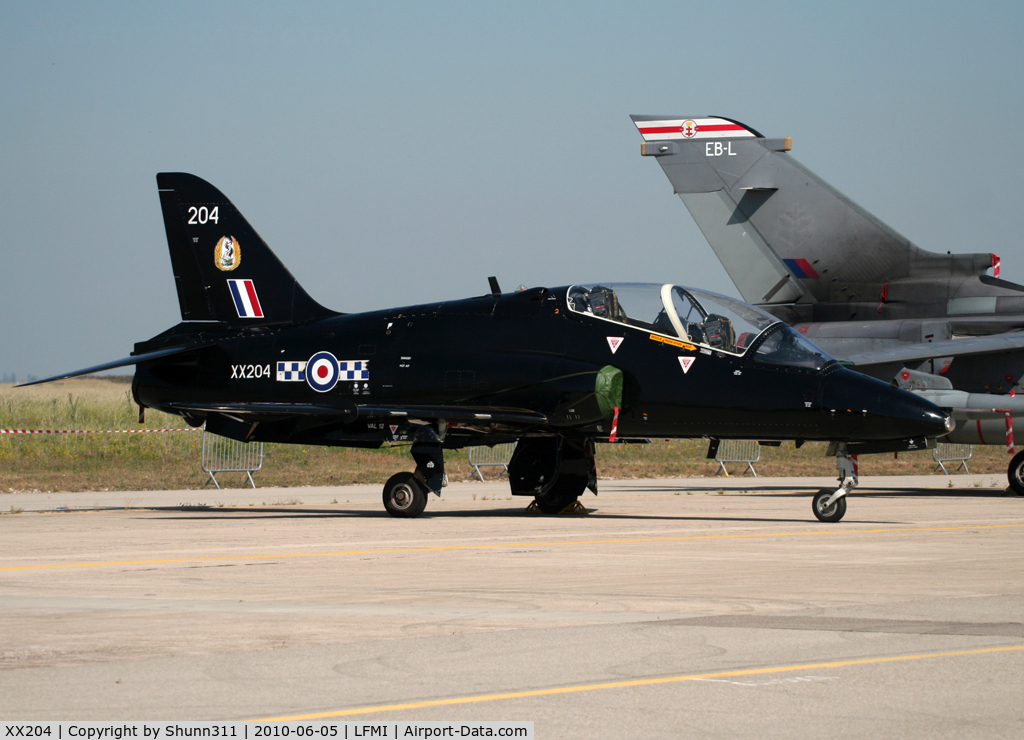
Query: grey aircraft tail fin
point(783, 234)
point(223, 270)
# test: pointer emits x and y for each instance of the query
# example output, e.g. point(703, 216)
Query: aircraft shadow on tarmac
point(260, 512)
point(255, 513)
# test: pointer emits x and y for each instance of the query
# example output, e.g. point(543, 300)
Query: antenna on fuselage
point(495, 290)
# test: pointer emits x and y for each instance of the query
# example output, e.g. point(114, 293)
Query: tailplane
point(223, 270)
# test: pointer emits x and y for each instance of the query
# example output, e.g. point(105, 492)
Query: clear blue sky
point(396, 153)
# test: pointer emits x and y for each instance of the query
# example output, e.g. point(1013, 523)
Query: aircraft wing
point(266, 411)
point(483, 414)
point(348, 412)
point(1008, 342)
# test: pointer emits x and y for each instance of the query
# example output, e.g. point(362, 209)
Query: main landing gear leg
point(405, 494)
point(829, 505)
point(555, 471)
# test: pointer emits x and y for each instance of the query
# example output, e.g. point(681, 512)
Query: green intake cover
point(608, 388)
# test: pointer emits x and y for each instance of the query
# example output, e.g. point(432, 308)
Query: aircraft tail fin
point(223, 270)
point(783, 234)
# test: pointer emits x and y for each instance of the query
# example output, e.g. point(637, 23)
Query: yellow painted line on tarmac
point(631, 684)
point(505, 545)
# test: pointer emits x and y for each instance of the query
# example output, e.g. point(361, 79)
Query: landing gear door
point(533, 469)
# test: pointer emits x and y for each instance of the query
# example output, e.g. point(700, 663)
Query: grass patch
point(170, 461)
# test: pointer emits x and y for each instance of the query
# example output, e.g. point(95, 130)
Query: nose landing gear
point(829, 505)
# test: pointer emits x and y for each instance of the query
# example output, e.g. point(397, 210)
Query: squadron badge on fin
point(227, 255)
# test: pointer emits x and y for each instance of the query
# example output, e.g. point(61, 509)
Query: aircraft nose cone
point(865, 408)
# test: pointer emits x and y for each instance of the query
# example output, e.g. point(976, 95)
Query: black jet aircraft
point(255, 358)
point(937, 324)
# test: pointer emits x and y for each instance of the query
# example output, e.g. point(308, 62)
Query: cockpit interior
point(698, 317)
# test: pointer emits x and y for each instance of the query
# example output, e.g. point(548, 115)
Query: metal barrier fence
point(947, 453)
point(498, 455)
point(223, 455)
point(746, 451)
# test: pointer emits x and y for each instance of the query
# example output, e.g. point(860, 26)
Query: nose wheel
point(826, 509)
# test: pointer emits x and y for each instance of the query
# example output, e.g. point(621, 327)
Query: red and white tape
point(95, 431)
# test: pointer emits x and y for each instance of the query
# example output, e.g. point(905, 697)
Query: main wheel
point(566, 490)
point(404, 495)
point(831, 513)
point(1015, 474)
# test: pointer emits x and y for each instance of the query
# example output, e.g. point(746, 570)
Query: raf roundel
point(322, 372)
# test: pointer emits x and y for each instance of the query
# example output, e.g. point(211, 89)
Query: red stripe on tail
point(251, 290)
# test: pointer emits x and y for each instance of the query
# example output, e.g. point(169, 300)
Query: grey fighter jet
point(938, 324)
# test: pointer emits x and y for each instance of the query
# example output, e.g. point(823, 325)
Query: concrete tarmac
point(702, 608)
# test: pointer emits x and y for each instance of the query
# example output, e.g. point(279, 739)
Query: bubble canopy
point(697, 316)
